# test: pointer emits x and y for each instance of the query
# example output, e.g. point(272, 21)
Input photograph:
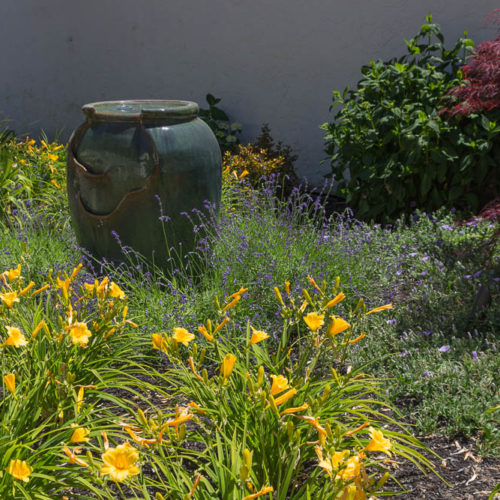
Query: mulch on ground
point(469, 475)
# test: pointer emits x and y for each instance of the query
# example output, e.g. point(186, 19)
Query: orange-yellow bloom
point(73, 459)
point(314, 320)
point(285, 397)
point(76, 270)
point(352, 468)
point(228, 365)
point(25, 290)
point(80, 435)
point(231, 304)
point(279, 384)
point(120, 462)
point(337, 325)
point(193, 369)
point(381, 308)
point(19, 469)
point(115, 291)
point(221, 324)
point(15, 338)
point(357, 339)
point(315, 423)
point(182, 336)
point(9, 298)
point(38, 328)
point(263, 491)
point(303, 407)
point(64, 286)
point(378, 441)
point(79, 333)
point(239, 293)
point(332, 462)
point(144, 442)
point(79, 398)
point(202, 329)
point(13, 274)
point(158, 341)
point(10, 382)
point(340, 297)
point(257, 336)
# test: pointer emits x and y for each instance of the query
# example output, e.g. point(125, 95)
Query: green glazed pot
point(133, 168)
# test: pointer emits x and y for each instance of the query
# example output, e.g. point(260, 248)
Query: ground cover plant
point(121, 381)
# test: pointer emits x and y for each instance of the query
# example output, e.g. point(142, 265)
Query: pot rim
point(141, 110)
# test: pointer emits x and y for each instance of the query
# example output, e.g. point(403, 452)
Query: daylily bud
point(251, 387)
point(244, 473)
point(278, 296)
point(204, 375)
point(289, 429)
point(141, 417)
point(325, 394)
point(307, 296)
point(159, 496)
point(361, 304)
point(260, 376)
point(182, 432)
point(247, 458)
point(273, 406)
point(202, 355)
point(194, 350)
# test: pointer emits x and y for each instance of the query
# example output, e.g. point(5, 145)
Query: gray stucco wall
point(273, 61)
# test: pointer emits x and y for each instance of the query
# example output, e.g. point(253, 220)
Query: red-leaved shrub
point(480, 91)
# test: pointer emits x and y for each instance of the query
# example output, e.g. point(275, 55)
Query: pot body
point(134, 168)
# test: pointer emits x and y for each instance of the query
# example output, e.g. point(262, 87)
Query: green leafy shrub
point(391, 150)
point(217, 119)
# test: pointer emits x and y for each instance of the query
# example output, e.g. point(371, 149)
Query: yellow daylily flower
point(38, 327)
point(221, 324)
point(9, 298)
point(79, 333)
point(228, 365)
point(73, 459)
point(313, 283)
point(285, 397)
point(80, 435)
point(257, 336)
point(314, 321)
point(13, 274)
point(340, 297)
point(119, 462)
point(302, 407)
point(64, 285)
point(378, 441)
point(15, 338)
point(279, 384)
point(79, 398)
point(378, 309)
point(337, 325)
point(264, 491)
point(158, 342)
point(352, 467)
point(115, 291)
point(314, 422)
point(240, 292)
point(182, 336)
point(19, 469)
point(10, 382)
point(202, 329)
